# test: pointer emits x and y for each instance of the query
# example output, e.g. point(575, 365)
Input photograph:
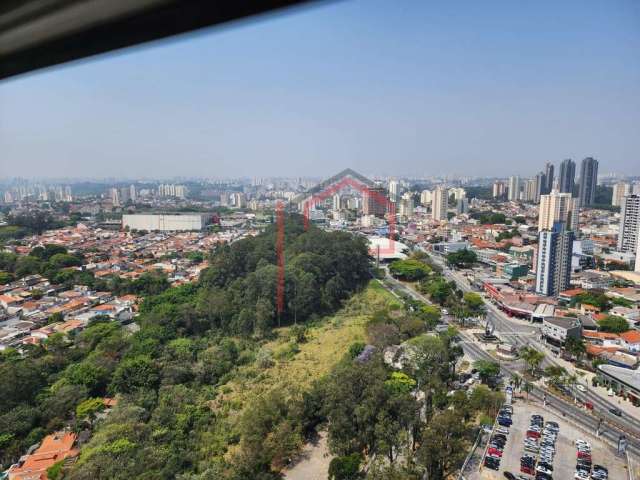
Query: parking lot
point(564, 462)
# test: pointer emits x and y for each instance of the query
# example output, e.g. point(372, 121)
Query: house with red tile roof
point(53, 449)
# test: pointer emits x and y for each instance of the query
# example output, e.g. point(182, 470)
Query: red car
point(494, 451)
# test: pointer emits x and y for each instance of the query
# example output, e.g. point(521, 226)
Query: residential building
point(440, 203)
point(53, 449)
point(336, 201)
point(629, 224)
point(553, 271)
point(499, 189)
point(567, 176)
point(620, 190)
point(394, 190)
point(514, 188)
point(425, 197)
point(547, 183)
point(374, 201)
point(557, 207)
point(588, 182)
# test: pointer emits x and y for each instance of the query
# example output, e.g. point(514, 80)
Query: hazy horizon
point(412, 89)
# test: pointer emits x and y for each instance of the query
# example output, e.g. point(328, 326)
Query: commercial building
point(557, 207)
point(622, 380)
point(166, 222)
point(588, 182)
point(629, 224)
point(514, 188)
point(567, 176)
point(440, 204)
point(620, 190)
point(557, 330)
point(553, 271)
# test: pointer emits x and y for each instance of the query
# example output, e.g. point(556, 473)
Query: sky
point(404, 88)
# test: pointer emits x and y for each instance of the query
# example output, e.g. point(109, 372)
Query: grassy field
point(299, 364)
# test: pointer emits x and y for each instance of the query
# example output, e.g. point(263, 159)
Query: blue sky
point(385, 87)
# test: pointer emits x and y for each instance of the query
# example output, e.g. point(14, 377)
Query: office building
point(553, 270)
point(567, 176)
point(557, 207)
point(514, 188)
point(620, 190)
point(440, 204)
point(165, 222)
point(499, 189)
point(588, 182)
point(374, 201)
point(462, 205)
point(629, 224)
point(547, 182)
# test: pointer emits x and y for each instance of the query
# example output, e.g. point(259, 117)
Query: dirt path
point(313, 463)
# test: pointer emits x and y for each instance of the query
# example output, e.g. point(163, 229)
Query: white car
point(580, 387)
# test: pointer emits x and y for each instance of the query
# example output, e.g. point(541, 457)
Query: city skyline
point(464, 90)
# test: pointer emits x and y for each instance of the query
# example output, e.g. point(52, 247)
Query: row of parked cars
point(585, 470)
point(540, 448)
point(499, 438)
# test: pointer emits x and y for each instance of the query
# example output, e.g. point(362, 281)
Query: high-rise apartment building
point(588, 182)
point(440, 203)
point(547, 183)
point(567, 176)
point(553, 269)
point(114, 194)
point(620, 190)
point(425, 197)
point(629, 224)
point(499, 189)
point(374, 201)
point(133, 193)
point(462, 205)
point(405, 209)
point(531, 191)
point(557, 207)
point(514, 188)
point(336, 201)
point(394, 190)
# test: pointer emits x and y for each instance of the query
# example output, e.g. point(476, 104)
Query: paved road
point(612, 426)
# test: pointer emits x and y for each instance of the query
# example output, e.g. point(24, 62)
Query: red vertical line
point(306, 214)
point(280, 257)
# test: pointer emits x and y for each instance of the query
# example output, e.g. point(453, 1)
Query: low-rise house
point(631, 340)
point(53, 449)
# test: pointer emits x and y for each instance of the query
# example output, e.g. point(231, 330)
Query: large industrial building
point(166, 222)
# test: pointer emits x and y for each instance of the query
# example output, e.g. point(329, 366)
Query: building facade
point(620, 190)
point(629, 224)
point(553, 270)
point(588, 182)
point(440, 204)
point(557, 207)
point(165, 222)
point(567, 176)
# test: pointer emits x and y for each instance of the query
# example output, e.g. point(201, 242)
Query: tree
point(486, 369)
point(444, 445)
point(555, 373)
point(576, 347)
point(532, 357)
point(462, 258)
point(613, 324)
point(475, 304)
point(410, 269)
point(89, 408)
point(133, 374)
point(346, 467)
